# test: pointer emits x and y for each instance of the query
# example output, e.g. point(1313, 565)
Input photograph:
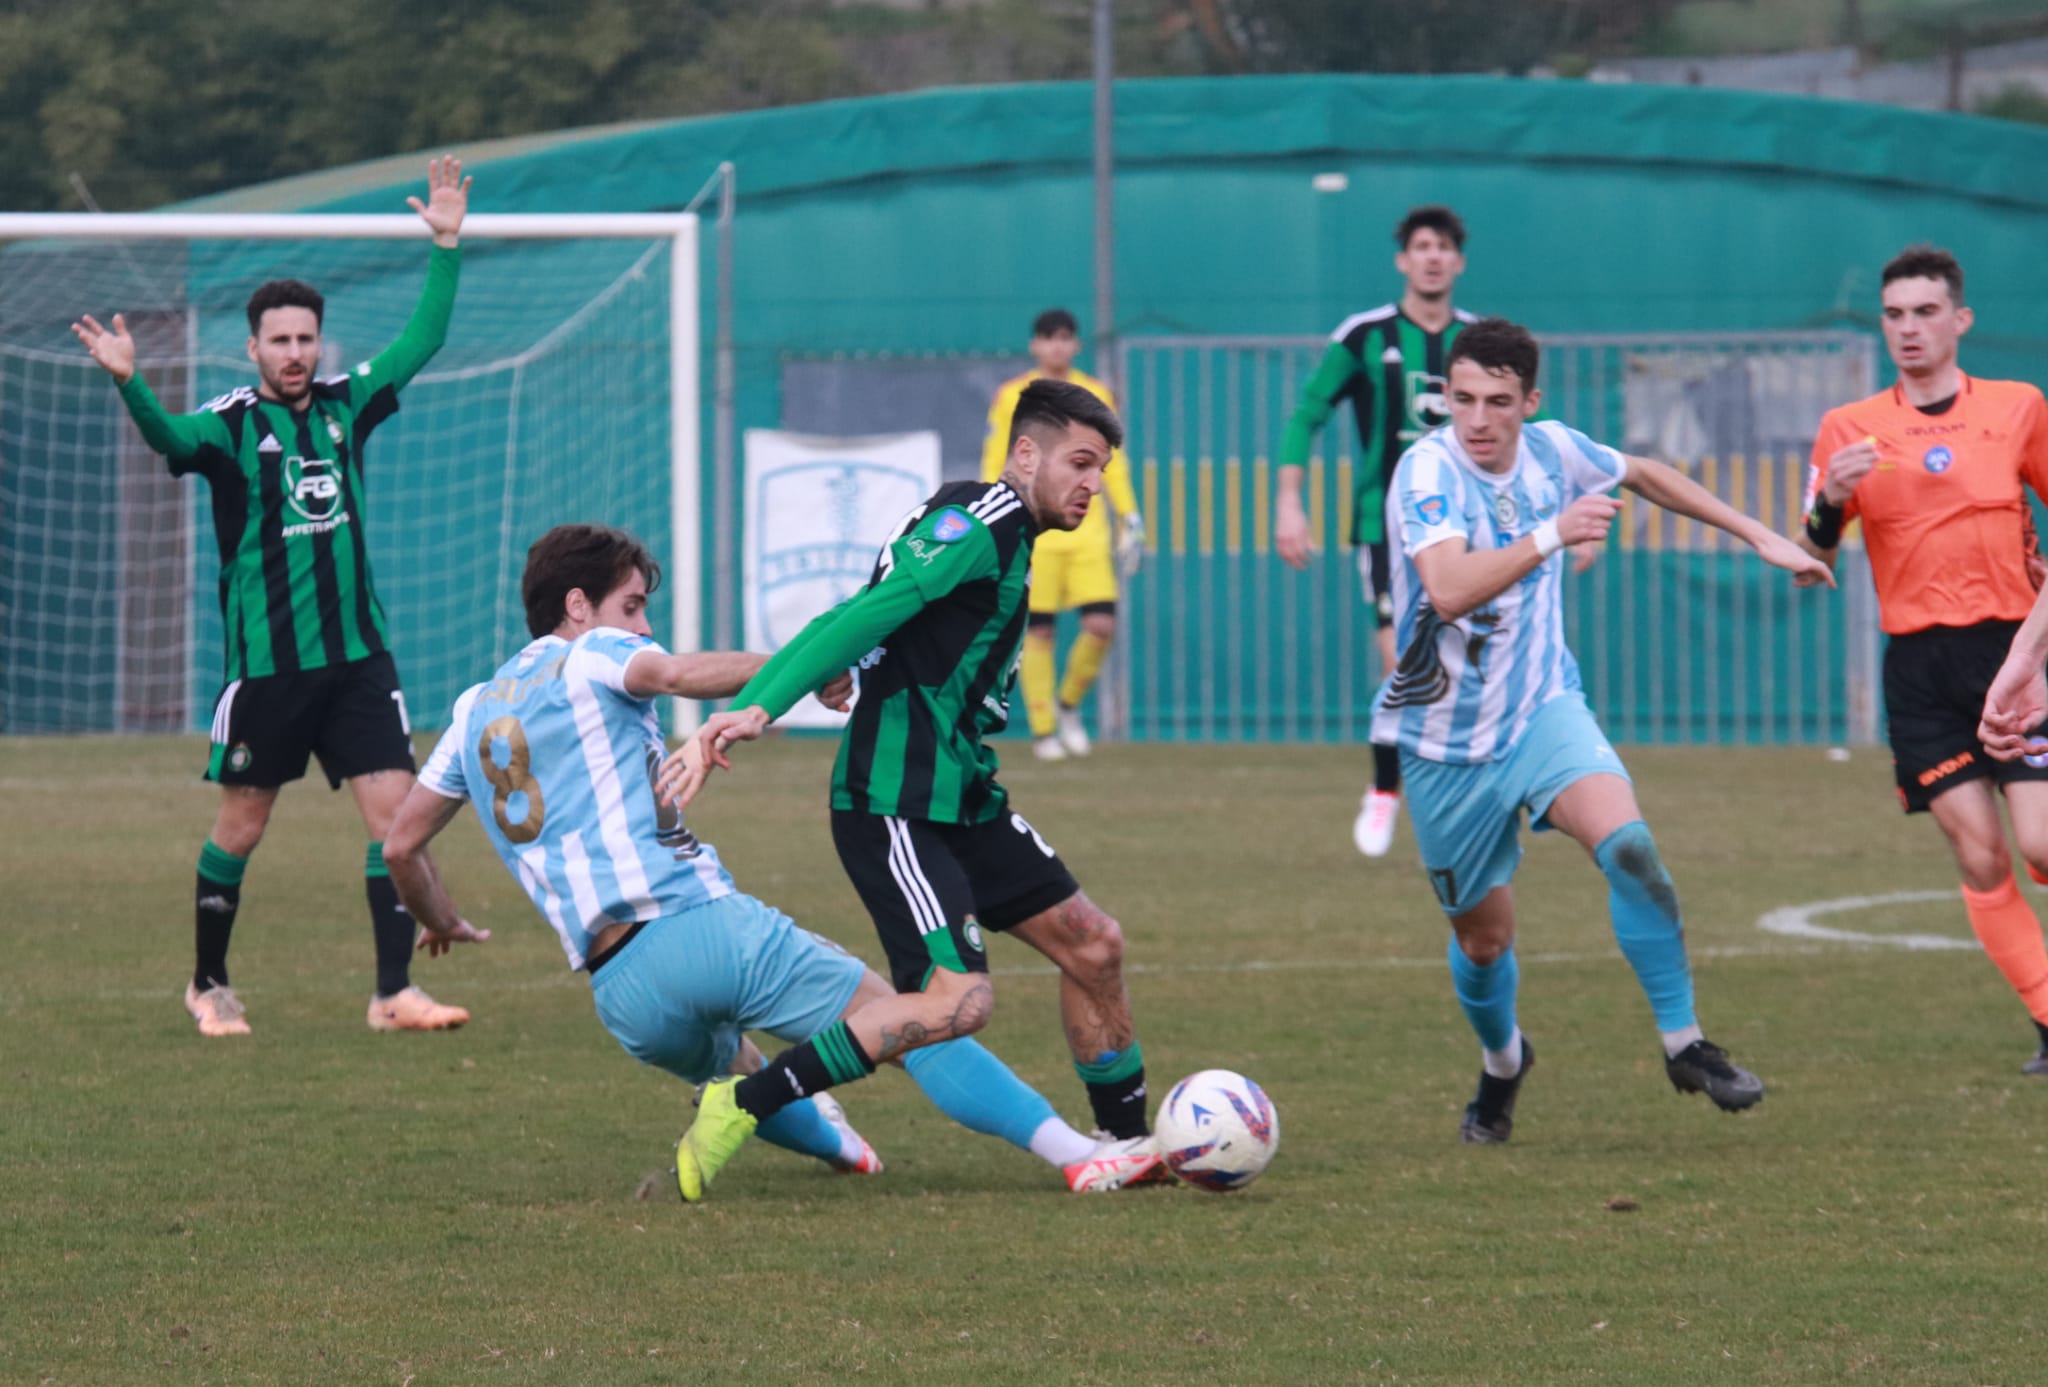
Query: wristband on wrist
point(1824, 523)
point(1548, 541)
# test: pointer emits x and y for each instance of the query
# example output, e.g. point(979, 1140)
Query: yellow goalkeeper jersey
point(1116, 477)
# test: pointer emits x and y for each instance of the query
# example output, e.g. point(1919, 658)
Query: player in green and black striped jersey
point(308, 671)
point(922, 827)
point(1389, 363)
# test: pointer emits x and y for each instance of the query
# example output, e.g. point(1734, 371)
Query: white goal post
point(80, 246)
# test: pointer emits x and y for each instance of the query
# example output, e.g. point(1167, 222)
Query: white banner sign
point(817, 512)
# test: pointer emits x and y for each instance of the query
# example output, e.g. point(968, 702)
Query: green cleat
point(721, 1128)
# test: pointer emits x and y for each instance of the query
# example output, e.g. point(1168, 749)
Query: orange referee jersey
point(1944, 517)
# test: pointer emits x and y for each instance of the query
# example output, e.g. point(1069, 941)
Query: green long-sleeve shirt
point(295, 589)
point(1392, 371)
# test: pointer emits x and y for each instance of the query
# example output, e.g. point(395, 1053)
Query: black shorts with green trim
point(352, 716)
point(932, 888)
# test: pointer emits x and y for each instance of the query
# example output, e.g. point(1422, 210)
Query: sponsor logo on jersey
point(1427, 407)
point(1948, 767)
point(952, 524)
point(312, 487)
point(1432, 510)
point(1938, 460)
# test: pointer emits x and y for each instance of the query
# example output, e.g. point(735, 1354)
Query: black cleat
point(2038, 1065)
point(1490, 1116)
point(1703, 1067)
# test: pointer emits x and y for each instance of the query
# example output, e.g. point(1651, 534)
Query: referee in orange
point(1936, 467)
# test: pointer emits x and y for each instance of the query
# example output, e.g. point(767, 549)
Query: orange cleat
point(217, 1010)
point(413, 1010)
point(1117, 1165)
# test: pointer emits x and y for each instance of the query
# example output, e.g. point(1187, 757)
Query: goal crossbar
point(678, 228)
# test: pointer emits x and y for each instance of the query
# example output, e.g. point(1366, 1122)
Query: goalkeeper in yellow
point(1069, 569)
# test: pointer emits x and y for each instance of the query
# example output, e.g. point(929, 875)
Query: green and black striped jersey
point(1393, 373)
point(295, 589)
point(935, 635)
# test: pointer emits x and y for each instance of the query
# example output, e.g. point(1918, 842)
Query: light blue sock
point(979, 1091)
point(1647, 925)
point(1487, 994)
point(801, 1128)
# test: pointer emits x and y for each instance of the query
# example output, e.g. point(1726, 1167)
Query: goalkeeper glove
point(1130, 542)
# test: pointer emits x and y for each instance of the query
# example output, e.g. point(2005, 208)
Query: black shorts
point(351, 716)
point(932, 888)
point(1934, 686)
point(1376, 582)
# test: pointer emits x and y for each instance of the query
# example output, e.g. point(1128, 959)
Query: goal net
point(565, 393)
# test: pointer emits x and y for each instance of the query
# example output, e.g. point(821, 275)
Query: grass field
point(321, 1204)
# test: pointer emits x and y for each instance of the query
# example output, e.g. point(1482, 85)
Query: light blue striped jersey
point(560, 761)
point(1463, 691)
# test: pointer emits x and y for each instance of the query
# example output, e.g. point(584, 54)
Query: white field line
point(1797, 922)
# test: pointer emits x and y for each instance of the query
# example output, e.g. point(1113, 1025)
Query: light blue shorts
point(682, 991)
point(1468, 819)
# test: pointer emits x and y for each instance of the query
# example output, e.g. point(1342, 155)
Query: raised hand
point(1846, 467)
point(113, 350)
point(1588, 519)
point(447, 200)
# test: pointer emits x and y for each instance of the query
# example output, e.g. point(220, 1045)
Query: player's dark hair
point(1497, 345)
point(1054, 404)
point(1430, 217)
point(595, 558)
point(1054, 321)
point(285, 293)
point(1927, 262)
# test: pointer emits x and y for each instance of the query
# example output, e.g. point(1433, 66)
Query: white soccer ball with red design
point(1218, 1130)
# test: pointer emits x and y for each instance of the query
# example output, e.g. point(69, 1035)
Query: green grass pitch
point(321, 1204)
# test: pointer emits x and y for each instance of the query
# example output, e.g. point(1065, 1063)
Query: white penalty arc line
point(1798, 922)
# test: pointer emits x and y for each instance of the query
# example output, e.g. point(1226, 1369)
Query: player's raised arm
point(1666, 486)
point(424, 333)
point(179, 437)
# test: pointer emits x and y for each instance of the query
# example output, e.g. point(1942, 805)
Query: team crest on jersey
point(1432, 510)
point(240, 757)
point(1938, 460)
point(952, 524)
point(334, 431)
point(1505, 511)
point(973, 933)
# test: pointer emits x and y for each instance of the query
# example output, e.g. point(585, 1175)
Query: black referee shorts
point(1934, 686)
point(932, 888)
point(352, 716)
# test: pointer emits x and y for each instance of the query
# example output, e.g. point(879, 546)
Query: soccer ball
point(1218, 1130)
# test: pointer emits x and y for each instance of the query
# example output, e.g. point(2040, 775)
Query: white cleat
point(1071, 734)
point(1373, 829)
point(1116, 1165)
point(1049, 749)
point(867, 1163)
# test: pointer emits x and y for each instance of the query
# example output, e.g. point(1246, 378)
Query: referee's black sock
point(1386, 769)
point(390, 923)
point(216, 898)
point(832, 1056)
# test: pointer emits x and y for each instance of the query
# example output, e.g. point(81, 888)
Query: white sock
point(1674, 1041)
point(1056, 1142)
point(1505, 1064)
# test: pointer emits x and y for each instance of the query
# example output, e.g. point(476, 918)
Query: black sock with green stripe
point(216, 898)
point(827, 1059)
point(1116, 1091)
point(390, 923)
